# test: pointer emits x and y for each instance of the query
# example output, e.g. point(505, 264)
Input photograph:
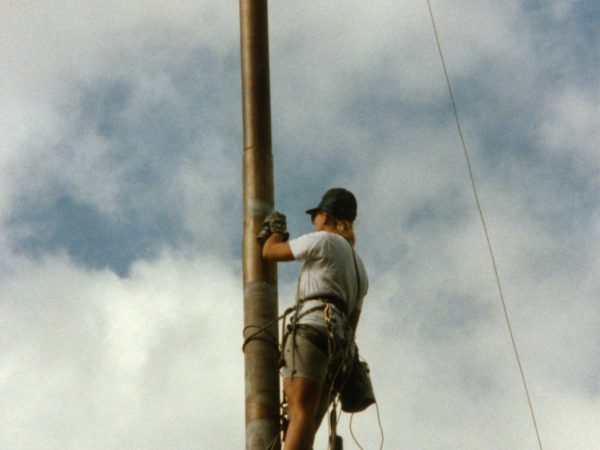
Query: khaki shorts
point(306, 360)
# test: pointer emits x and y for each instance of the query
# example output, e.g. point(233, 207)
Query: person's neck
point(329, 229)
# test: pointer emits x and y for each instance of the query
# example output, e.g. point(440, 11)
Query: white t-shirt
point(328, 270)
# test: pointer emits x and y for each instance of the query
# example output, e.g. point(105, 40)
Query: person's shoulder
point(333, 242)
point(316, 236)
point(327, 237)
point(318, 239)
point(306, 244)
point(334, 238)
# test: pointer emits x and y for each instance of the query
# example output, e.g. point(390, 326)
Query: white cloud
point(95, 361)
point(571, 129)
point(98, 361)
point(59, 51)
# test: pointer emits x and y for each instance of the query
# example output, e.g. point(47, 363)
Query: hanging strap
point(357, 275)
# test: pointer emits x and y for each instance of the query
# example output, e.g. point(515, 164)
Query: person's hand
point(275, 222)
point(264, 233)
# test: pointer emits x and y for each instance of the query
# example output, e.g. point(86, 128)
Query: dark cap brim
point(313, 211)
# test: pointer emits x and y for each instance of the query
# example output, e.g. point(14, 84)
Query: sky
point(121, 215)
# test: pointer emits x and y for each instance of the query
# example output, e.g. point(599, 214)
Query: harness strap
point(331, 299)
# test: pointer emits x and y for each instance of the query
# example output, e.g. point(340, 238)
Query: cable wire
point(484, 225)
point(352, 433)
point(380, 429)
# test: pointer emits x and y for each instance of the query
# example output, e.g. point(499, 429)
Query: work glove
point(275, 222)
point(264, 234)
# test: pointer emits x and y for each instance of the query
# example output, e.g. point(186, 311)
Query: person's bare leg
point(303, 396)
point(324, 402)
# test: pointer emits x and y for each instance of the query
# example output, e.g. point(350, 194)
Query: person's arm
point(275, 249)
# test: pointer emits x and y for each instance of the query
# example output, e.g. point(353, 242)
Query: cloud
point(120, 215)
point(97, 361)
point(141, 149)
point(570, 130)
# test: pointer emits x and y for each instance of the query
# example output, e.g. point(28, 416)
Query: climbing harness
point(325, 343)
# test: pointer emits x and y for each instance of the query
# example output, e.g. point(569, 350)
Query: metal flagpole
point(261, 355)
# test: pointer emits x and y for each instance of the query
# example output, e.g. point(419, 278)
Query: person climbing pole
point(330, 290)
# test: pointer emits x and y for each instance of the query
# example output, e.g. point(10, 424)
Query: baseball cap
point(338, 202)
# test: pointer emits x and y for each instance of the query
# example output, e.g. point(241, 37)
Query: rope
point(380, 429)
point(380, 425)
point(263, 329)
point(484, 225)
point(352, 433)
